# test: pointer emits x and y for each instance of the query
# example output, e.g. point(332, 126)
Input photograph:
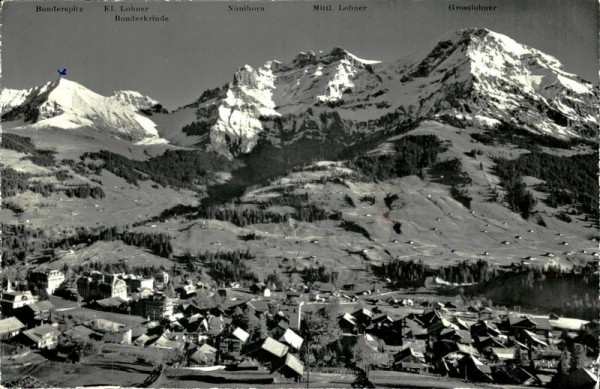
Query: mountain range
point(477, 147)
point(472, 76)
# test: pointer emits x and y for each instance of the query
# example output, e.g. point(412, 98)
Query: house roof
point(542, 323)
point(274, 347)
point(349, 318)
point(582, 377)
point(10, 324)
point(40, 306)
point(382, 317)
point(143, 339)
point(467, 349)
point(412, 323)
point(106, 325)
point(364, 311)
point(504, 354)
point(259, 305)
point(291, 338)
point(163, 342)
point(534, 338)
point(465, 336)
point(485, 341)
point(203, 353)
point(207, 349)
point(111, 302)
point(79, 332)
point(240, 334)
point(294, 363)
point(479, 365)
point(323, 287)
point(568, 323)
point(17, 296)
point(407, 352)
point(39, 333)
point(460, 322)
point(485, 325)
point(412, 365)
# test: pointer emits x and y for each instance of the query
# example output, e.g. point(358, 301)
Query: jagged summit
point(489, 74)
point(475, 75)
point(478, 77)
point(134, 98)
point(66, 104)
point(336, 54)
point(11, 98)
point(481, 45)
point(234, 115)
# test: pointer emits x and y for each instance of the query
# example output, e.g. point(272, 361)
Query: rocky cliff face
point(476, 76)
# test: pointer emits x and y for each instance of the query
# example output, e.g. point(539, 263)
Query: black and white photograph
point(299, 194)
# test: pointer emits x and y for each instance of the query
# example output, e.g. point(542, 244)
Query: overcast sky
point(204, 43)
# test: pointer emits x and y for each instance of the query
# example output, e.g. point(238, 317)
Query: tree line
point(244, 215)
point(24, 145)
point(568, 180)
point(159, 244)
point(570, 292)
point(450, 172)
point(175, 168)
point(413, 154)
point(323, 274)
point(417, 271)
point(224, 266)
point(14, 183)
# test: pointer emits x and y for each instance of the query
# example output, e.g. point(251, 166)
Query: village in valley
point(263, 208)
point(169, 330)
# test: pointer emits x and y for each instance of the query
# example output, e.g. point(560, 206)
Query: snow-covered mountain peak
point(477, 72)
point(476, 75)
point(234, 114)
point(66, 104)
point(134, 98)
point(337, 54)
point(11, 98)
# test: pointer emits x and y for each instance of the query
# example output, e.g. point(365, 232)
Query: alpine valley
point(479, 152)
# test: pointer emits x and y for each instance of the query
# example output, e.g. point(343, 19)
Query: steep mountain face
point(294, 95)
point(135, 99)
point(472, 77)
point(487, 77)
point(475, 76)
point(65, 104)
point(11, 98)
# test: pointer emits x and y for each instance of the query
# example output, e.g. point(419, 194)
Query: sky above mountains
point(203, 43)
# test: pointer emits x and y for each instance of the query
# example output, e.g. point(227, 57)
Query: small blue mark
point(62, 72)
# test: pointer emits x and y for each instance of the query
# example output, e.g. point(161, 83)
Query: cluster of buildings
point(205, 336)
point(27, 319)
point(474, 343)
point(450, 339)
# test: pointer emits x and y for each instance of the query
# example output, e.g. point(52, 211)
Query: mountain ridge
point(475, 76)
point(69, 105)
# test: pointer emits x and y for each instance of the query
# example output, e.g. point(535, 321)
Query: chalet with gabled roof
point(289, 366)
point(203, 355)
point(10, 327)
point(233, 343)
point(291, 339)
point(36, 313)
point(11, 301)
point(42, 337)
